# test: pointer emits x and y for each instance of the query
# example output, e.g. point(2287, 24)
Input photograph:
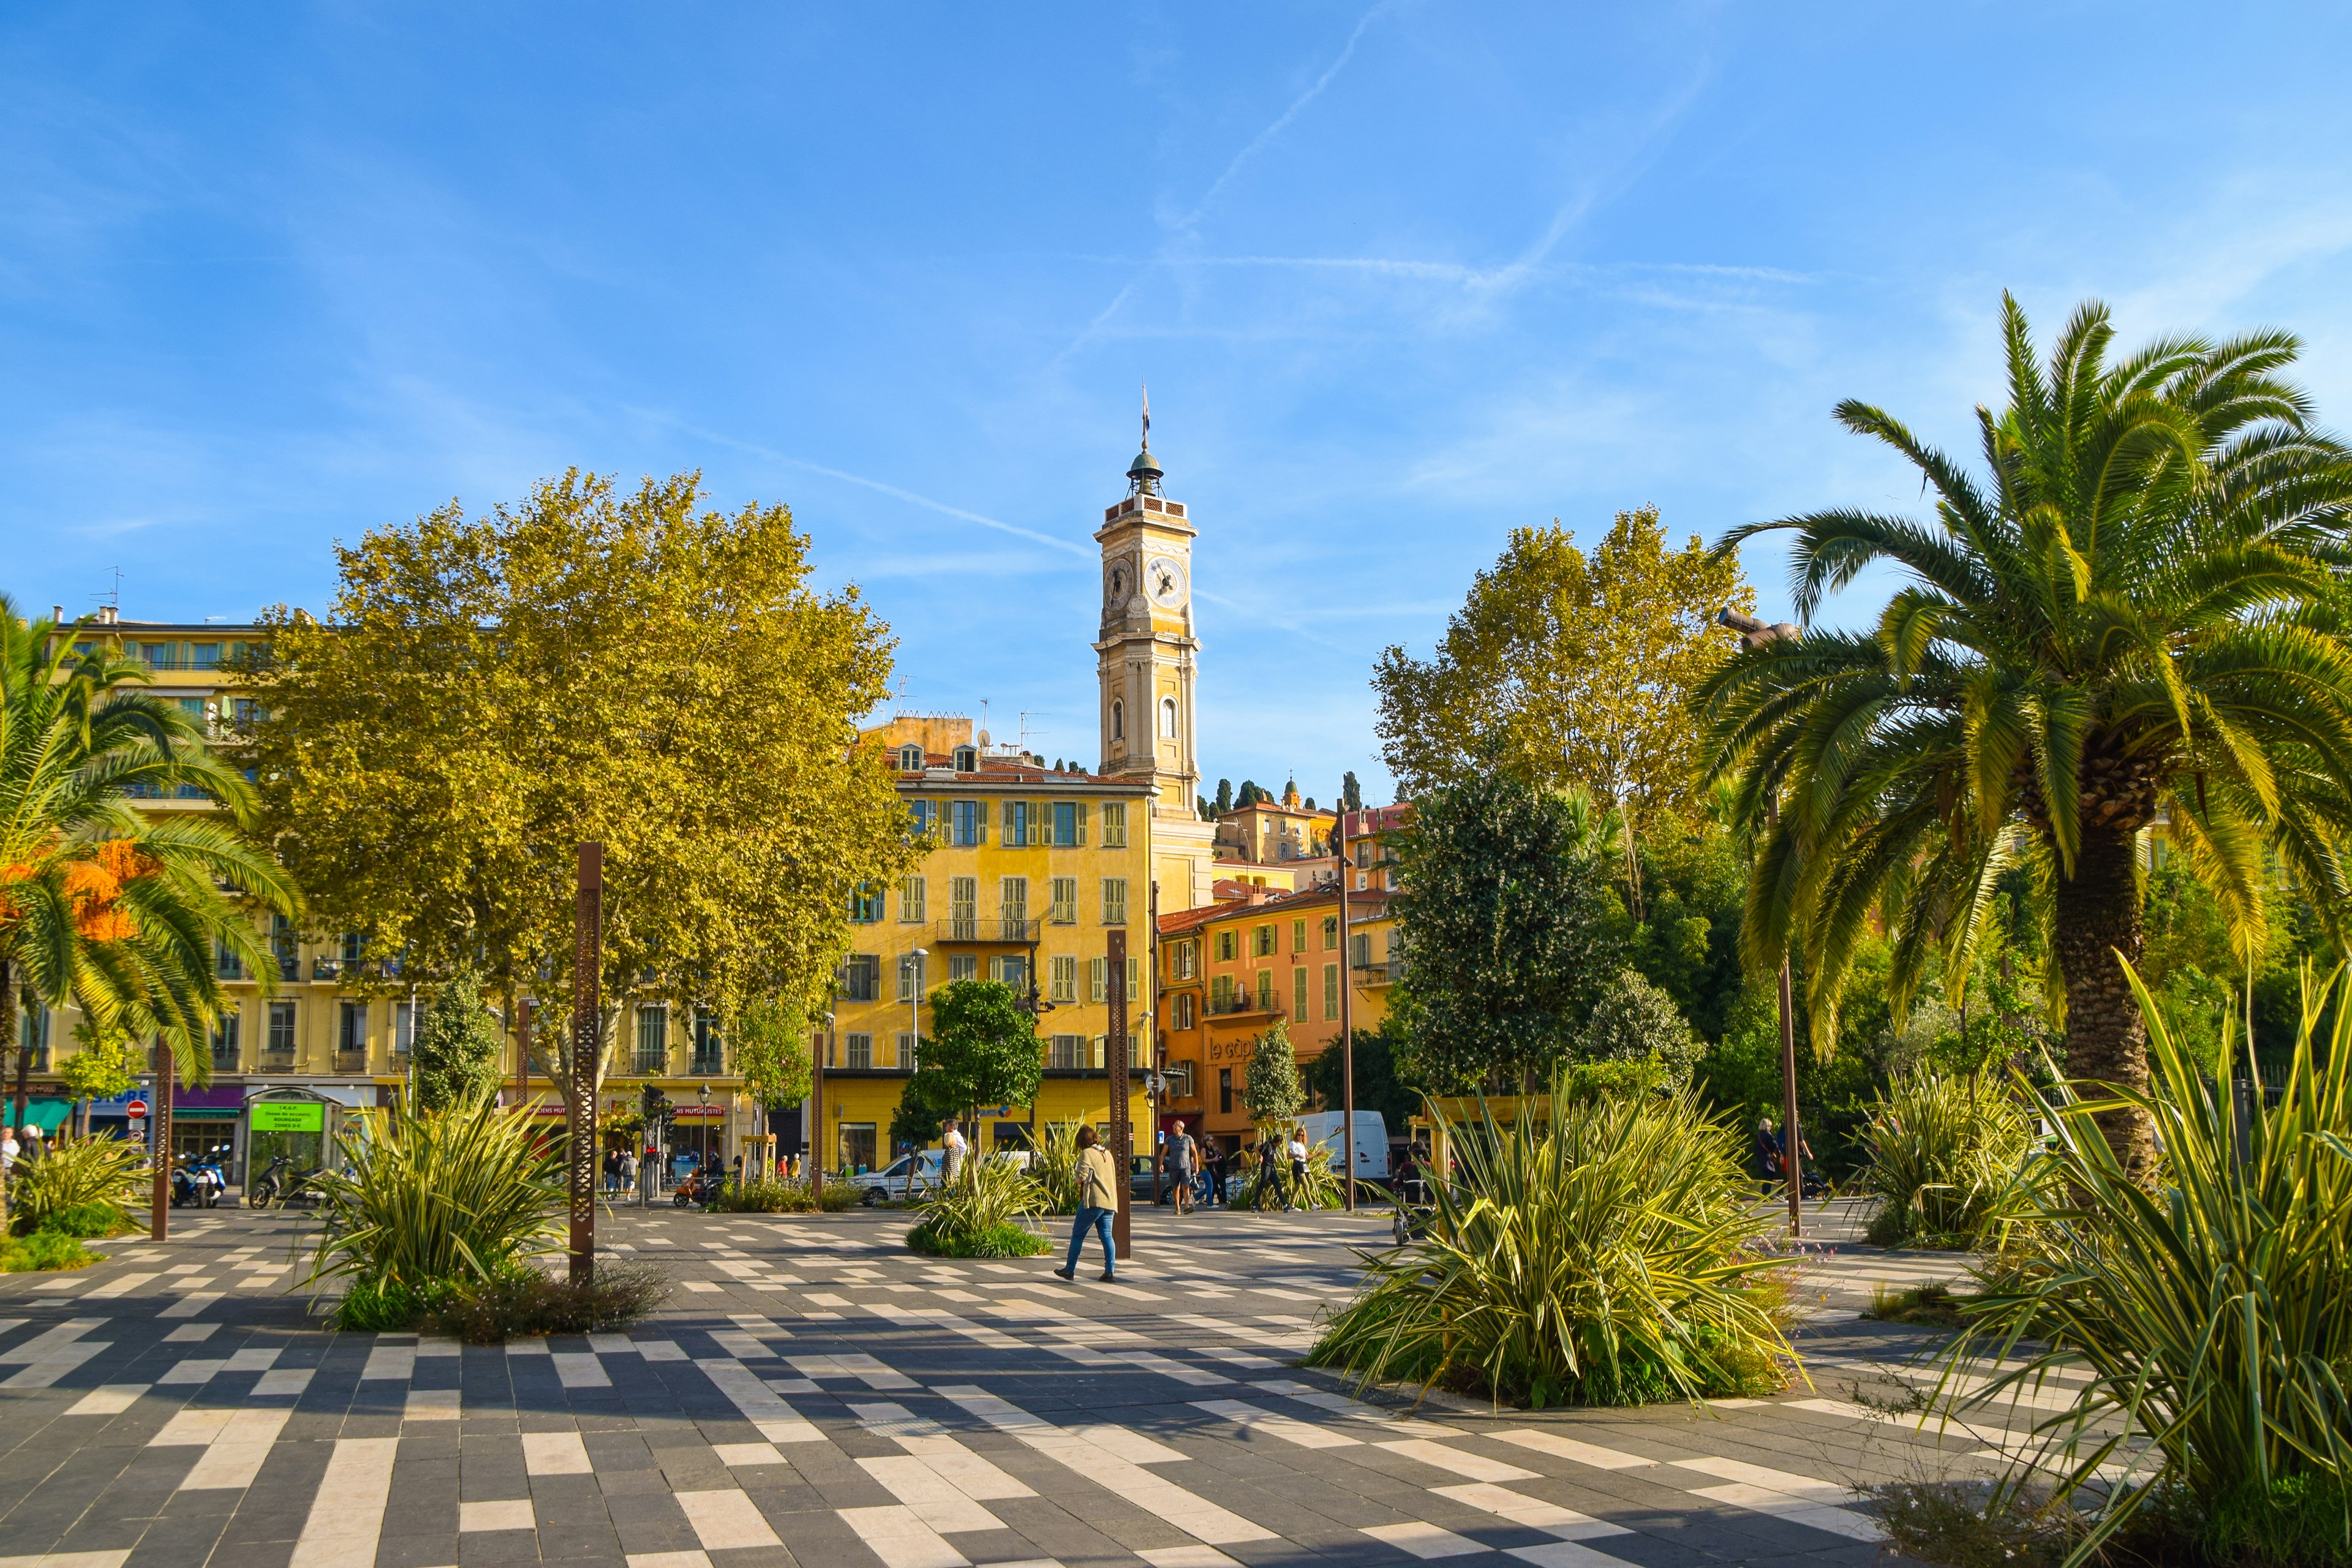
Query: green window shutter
point(1082, 822)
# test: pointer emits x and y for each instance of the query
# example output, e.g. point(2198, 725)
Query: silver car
point(908, 1176)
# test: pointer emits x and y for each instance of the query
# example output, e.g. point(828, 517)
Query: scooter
point(264, 1191)
point(199, 1182)
point(699, 1188)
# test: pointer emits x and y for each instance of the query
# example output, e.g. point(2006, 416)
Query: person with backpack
point(1097, 1200)
point(1182, 1155)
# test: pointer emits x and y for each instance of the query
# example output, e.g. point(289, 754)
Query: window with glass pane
point(971, 820)
point(861, 977)
point(1066, 823)
point(351, 1030)
point(925, 814)
point(285, 946)
point(914, 899)
point(1113, 824)
point(406, 1018)
point(224, 1042)
point(1114, 901)
point(227, 965)
point(866, 904)
point(652, 1038)
point(280, 1043)
point(353, 946)
point(708, 1055)
point(1066, 980)
point(1065, 900)
point(1016, 823)
point(1067, 1053)
point(1183, 1011)
point(1228, 946)
point(1013, 971)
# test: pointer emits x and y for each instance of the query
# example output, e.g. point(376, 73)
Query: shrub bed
point(45, 1250)
point(95, 1180)
point(519, 1305)
point(785, 1195)
point(1945, 1151)
point(1004, 1240)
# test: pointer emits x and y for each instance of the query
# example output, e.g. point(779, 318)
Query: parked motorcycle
point(279, 1187)
point(198, 1182)
point(702, 1188)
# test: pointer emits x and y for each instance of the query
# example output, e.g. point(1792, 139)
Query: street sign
point(135, 1110)
point(288, 1116)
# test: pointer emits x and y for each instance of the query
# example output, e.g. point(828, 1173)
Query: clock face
point(1164, 580)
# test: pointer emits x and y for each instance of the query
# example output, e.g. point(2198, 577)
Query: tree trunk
point(2098, 917)
point(8, 1031)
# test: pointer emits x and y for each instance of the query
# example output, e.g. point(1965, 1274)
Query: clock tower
point(1148, 661)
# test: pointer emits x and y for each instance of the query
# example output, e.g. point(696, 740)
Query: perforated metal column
point(587, 1008)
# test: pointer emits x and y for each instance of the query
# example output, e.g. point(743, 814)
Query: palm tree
point(2130, 617)
point(100, 905)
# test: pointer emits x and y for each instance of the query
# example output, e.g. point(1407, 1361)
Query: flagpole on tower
point(1147, 411)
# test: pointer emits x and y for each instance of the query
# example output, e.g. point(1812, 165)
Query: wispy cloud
point(1258, 142)
point(1051, 541)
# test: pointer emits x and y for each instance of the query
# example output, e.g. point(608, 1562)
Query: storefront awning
point(48, 1115)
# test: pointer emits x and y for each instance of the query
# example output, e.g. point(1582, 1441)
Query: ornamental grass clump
point(1054, 1164)
point(1605, 1257)
point(82, 1186)
point(437, 1206)
point(785, 1195)
point(1943, 1148)
point(984, 1213)
point(2206, 1316)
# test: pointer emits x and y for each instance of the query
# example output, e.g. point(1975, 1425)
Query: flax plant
point(2207, 1315)
point(1944, 1148)
point(451, 1199)
point(1055, 1164)
point(1605, 1257)
point(984, 1212)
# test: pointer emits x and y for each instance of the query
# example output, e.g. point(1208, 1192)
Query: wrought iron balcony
point(987, 928)
point(1386, 971)
point(1239, 1002)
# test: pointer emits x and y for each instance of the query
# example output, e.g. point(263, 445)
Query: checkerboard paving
point(813, 1393)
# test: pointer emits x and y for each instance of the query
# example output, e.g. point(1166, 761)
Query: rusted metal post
point(1347, 1014)
point(587, 1041)
point(1122, 1130)
point(159, 1220)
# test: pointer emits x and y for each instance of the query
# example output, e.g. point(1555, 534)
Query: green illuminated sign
point(288, 1116)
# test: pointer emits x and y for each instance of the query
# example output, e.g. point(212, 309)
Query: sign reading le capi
point(288, 1116)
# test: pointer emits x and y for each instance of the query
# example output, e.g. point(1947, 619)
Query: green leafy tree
point(1271, 1090)
point(1351, 793)
point(1377, 1086)
point(2133, 608)
point(1508, 927)
point(1225, 796)
point(1636, 1022)
point(1570, 670)
point(772, 1053)
point(103, 1064)
point(983, 1050)
point(99, 906)
point(632, 668)
point(459, 1053)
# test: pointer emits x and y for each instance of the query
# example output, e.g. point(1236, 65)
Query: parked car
point(909, 1175)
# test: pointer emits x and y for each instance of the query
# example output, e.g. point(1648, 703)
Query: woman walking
point(1098, 1200)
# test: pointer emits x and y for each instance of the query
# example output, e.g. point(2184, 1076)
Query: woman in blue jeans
point(1097, 1200)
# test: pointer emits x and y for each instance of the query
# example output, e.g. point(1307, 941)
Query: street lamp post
point(1756, 634)
point(915, 997)
point(702, 1098)
point(816, 1111)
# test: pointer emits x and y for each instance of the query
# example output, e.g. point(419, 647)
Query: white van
point(1371, 1142)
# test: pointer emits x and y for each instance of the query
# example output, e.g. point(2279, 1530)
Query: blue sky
point(1401, 276)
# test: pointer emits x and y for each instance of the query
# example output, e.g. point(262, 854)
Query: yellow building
point(1031, 868)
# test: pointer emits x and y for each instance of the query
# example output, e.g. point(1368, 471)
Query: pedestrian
point(1269, 1175)
point(1182, 1151)
point(1768, 1149)
point(951, 1165)
point(1780, 1149)
point(1212, 1171)
point(1097, 1200)
point(738, 1172)
point(8, 1151)
point(1298, 1168)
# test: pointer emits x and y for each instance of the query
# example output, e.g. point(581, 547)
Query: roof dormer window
point(910, 758)
point(967, 758)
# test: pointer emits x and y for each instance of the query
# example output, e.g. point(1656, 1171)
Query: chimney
point(57, 613)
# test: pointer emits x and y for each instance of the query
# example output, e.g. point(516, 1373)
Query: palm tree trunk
point(8, 1030)
point(2098, 917)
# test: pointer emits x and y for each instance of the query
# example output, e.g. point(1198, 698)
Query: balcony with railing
point(1239, 1002)
point(987, 928)
point(649, 1062)
point(1382, 972)
point(351, 1061)
point(276, 1058)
